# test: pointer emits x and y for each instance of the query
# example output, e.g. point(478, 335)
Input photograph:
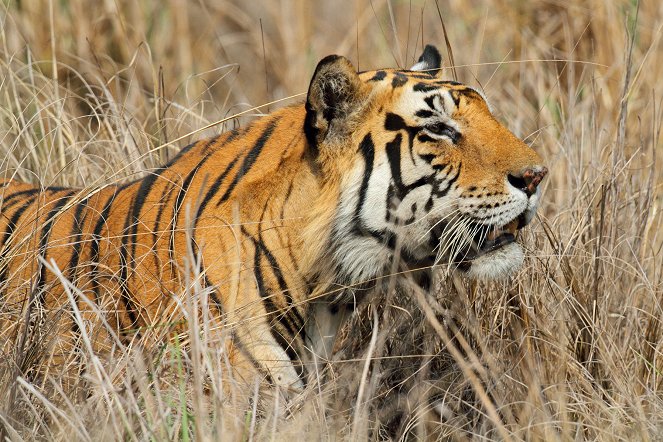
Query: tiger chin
point(292, 220)
point(493, 252)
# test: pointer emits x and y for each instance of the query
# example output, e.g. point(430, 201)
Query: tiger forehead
point(420, 81)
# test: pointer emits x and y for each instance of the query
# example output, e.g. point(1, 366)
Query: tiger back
point(284, 225)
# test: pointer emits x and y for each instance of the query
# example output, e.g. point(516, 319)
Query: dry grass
point(569, 349)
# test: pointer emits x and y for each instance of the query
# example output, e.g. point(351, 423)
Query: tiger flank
point(291, 221)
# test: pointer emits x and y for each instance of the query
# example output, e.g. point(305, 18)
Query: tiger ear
point(334, 94)
point(430, 61)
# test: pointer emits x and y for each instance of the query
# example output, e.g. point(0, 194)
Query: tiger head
point(425, 171)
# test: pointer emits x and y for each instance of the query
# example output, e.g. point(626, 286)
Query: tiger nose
point(528, 180)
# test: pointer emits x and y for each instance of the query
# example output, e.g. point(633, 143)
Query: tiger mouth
point(488, 239)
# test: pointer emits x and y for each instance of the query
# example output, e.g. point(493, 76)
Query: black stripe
point(393, 150)
point(76, 233)
point(6, 204)
point(398, 80)
point(379, 76)
point(133, 220)
point(156, 231)
point(430, 101)
point(424, 113)
point(94, 246)
point(285, 200)
point(394, 122)
point(266, 295)
point(55, 189)
point(273, 311)
point(214, 188)
point(367, 149)
point(233, 335)
point(412, 74)
point(289, 349)
point(426, 138)
point(250, 159)
point(43, 242)
point(215, 297)
point(183, 151)
point(440, 167)
point(385, 237)
point(125, 294)
point(179, 200)
point(143, 192)
point(11, 225)
point(455, 96)
point(292, 312)
point(441, 192)
point(242, 349)
point(286, 343)
point(236, 133)
point(448, 83)
point(290, 318)
point(424, 87)
point(427, 157)
point(7, 234)
point(206, 150)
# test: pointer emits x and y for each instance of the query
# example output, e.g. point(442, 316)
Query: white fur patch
point(497, 264)
point(420, 66)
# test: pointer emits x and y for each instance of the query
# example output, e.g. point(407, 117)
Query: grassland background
point(101, 91)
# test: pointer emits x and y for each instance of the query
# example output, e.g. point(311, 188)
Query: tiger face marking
point(438, 177)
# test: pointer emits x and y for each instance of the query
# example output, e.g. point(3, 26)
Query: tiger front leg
point(258, 355)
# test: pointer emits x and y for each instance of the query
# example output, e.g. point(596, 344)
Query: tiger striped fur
point(292, 220)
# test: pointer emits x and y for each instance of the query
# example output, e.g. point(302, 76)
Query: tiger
point(292, 221)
